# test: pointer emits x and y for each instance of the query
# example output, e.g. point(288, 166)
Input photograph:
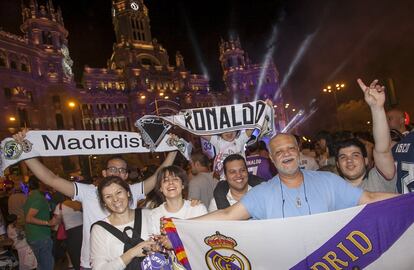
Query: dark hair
point(33, 183)
point(253, 147)
point(348, 143)
point(329, 141)
point(201, 158)
point(115, 157)
point(109, 180)
point(11, 218)
point(233, 157)
point(174, 170)
point(263, 146)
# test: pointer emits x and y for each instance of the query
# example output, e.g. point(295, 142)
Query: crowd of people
point(113, 225)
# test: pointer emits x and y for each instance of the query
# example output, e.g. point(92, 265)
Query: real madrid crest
point(222, 254)
point(13, 149)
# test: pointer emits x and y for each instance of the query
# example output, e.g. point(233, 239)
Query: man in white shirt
point(87, 193)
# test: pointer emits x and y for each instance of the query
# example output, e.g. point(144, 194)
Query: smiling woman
point(117, 241)
point(171, 181)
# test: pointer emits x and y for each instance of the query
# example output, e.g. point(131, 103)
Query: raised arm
point(370, 197)
point(235, 212)
point(149, 183)
point(45, 175)
point(375, 97)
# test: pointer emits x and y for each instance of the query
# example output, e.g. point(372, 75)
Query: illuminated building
point(38, 88)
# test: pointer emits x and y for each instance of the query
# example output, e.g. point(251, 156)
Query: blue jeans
point(42, 250)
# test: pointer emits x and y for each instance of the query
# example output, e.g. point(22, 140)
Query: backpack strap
point(110, 228)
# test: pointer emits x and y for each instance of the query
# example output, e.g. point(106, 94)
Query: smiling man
point(351, 154)
point(238, 183)
point(296, 192)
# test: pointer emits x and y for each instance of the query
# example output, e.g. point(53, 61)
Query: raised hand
point(19, 137)
point(374, 94)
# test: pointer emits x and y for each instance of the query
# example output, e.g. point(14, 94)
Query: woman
point(171, 182)
point(107, 250)
point(27, 260)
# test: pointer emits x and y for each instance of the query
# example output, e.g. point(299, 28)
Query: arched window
point(24, 65)
point(47, 38)
point(59, 121)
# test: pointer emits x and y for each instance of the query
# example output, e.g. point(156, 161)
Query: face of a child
point(229, 136)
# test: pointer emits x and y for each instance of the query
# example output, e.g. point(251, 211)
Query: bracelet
point(47, 222)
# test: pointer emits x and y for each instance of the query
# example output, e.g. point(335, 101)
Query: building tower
point(44, 28)
point(131, 21)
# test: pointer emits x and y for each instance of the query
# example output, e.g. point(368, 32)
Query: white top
point(92, 211)
point(19, 240)
point(71, 218)
point(186, 211)
point(106, 249)
point(225, 148)
point(213, 204)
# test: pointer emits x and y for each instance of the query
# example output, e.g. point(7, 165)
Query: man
point(403, 153)
point(396, 120)
point(15, 204)
point(38, 223)
point(87, 194)
point(295, 192)
point(259, 165)
point(202, 184)
point(238, 183)
point(351, 154)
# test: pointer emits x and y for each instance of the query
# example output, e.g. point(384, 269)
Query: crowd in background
point(29, 222)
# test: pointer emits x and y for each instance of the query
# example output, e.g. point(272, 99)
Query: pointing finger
point(362, 85)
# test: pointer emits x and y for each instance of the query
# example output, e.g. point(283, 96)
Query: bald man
point(295, 192)
point(396, 120)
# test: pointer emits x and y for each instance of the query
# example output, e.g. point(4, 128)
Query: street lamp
point(72, 106)
point(329, 89)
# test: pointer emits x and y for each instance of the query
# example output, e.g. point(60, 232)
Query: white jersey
point(225, 148)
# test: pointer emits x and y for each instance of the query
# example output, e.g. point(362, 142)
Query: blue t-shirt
point(403, 153)
point(320, 192)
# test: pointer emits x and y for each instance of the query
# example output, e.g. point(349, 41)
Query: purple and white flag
point(374, 236)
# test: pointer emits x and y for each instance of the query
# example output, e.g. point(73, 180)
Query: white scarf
point(49, 143)
point(214, 120)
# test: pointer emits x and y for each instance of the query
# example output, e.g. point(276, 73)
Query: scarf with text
point(220, 119)
point(50, 143)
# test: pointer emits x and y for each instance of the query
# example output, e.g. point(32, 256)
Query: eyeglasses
point(114, 170)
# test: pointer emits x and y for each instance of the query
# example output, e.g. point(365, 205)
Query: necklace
point(298, 201)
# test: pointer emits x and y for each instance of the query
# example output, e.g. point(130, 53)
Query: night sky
point(344, 39)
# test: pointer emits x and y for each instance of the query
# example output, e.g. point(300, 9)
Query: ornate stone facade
point(37, 87)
